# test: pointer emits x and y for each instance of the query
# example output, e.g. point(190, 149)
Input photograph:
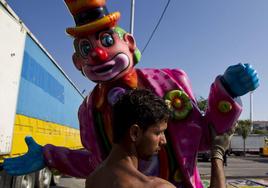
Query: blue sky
point(202, 37)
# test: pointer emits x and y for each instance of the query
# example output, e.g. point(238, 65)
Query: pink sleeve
point(226, 118)
point(221, 120)
point(77, 163)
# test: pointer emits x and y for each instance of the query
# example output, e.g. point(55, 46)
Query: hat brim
point(107, 21)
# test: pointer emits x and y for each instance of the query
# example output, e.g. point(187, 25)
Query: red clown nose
point(99, 55)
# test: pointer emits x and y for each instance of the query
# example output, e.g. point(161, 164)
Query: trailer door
point(12, 39)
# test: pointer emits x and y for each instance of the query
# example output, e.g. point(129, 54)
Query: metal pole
point(132, 17)
point(251, 109)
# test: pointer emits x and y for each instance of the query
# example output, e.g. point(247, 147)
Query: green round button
point(224, 106)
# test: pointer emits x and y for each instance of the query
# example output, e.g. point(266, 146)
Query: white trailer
point(253, 144)
point(36, 99)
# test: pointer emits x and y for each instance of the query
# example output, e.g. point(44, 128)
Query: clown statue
point(106, 54)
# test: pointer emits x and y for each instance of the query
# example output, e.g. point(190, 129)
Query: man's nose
point(163, 140)
point(99, 55)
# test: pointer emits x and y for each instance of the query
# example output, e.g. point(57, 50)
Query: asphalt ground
point(251, 166)
point(241, 172)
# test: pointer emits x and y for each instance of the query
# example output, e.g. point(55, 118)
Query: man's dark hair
point(139, 106)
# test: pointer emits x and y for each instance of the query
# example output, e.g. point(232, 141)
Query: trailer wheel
point(43, 178)
point(55, 179)
point(24, 181)
point(5, 179)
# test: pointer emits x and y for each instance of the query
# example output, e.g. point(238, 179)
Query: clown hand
point(240, 79)
point(220, 143)
point(30, 162)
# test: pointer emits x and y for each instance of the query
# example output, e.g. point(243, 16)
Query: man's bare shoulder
point(95, 179)
point(137, 181)
point(160, 183)
point(128, 180)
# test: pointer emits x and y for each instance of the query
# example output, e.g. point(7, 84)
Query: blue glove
point(30, 162)
point(240, 79)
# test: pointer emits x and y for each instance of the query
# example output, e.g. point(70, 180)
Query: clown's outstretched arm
point(59, 158)
point(77, 163)
point(224, 108)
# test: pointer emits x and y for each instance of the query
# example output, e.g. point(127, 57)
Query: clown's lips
point(109, 69)
point(103, 69)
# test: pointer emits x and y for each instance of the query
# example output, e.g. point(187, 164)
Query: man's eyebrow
point(158, 129)
point(163, 129)
point(97, 35)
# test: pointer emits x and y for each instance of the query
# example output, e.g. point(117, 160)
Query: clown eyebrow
point(110, 31)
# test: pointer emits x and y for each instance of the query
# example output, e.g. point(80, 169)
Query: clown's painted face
point(104, 56)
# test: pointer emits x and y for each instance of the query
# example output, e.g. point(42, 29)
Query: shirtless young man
point(140, 119)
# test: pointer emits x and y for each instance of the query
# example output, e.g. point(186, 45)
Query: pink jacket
point(187, 136)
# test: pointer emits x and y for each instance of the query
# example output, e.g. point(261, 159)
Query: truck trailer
point(253, 144)
point(36, 99)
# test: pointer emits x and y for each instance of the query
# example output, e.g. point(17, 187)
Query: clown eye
point(85, 47)
point(107, 40)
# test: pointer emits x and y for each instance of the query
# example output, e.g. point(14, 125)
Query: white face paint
point(109, 70)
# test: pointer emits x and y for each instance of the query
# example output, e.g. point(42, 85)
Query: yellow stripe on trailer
point(43, 133)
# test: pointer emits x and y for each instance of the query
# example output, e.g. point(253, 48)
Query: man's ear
point(129, 39)
point(135, 132)
point(78, 62)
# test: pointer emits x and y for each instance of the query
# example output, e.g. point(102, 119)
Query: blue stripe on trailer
point(37, 75)
point(45, 93)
